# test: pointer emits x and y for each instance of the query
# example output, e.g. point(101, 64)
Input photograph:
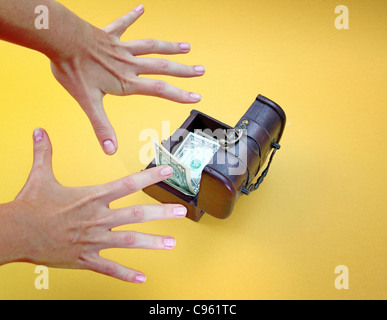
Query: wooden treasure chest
point(215, 163)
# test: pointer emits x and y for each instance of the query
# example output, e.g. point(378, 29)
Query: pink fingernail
point(195, 96)
point(140, 278)
point(109, 147)
point(200, 69)
point(139, 8)
point(169, 243)
point(180, 212)
point(184, 46)
point(166, 171)
point(38, 135)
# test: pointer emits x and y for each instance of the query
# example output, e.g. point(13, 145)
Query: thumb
point(103, 128)
point(118, 27)
point(42, 150)
point(42, 163)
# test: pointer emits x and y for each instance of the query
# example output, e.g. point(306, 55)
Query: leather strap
point(254, 186)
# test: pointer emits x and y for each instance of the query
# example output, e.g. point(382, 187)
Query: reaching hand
point(106, 65)
point(66, 227)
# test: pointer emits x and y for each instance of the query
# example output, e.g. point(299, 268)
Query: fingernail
point(139, 8)
point(38, 134)
point(195, 96)
point(180, 212)
point(200, 69)
point(109, 147)
point(167, 171)
point(184, 46)
point(169, 243)
point(140, 278)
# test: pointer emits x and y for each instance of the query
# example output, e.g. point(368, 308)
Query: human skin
point(66, 227)
point(90, 62)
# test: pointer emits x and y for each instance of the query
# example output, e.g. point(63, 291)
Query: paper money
point(188, 162)
point(195, 152)
point(181, 178)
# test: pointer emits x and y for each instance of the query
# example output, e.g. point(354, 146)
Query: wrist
point(71, 39)
point(62, 37)
point(13, 238)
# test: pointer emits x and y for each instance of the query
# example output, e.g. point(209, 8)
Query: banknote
point(188, 161)
point(195, 152)
point(181, 178)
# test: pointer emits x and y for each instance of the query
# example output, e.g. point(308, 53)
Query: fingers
point(118, 27)
point(102, 126)
point(162, 89)
point(42, 151)
point(135, 182)
point(138, 240)
point(113, 269)
point(144, 213)
point(166, 67)
point(149, 46)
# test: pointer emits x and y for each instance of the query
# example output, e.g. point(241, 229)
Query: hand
point(67, 227)
point(106, 65)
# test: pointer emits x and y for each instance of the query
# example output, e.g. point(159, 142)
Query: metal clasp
point(231, 138)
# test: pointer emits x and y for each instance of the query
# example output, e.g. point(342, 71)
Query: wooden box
point(243, 152)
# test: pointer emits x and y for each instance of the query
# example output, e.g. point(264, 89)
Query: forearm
point(65, 35)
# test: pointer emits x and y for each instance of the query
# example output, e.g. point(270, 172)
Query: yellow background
point(323, 202)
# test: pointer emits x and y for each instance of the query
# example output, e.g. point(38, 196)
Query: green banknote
point(195, 152)
point(188, 162)
point(181, 178)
